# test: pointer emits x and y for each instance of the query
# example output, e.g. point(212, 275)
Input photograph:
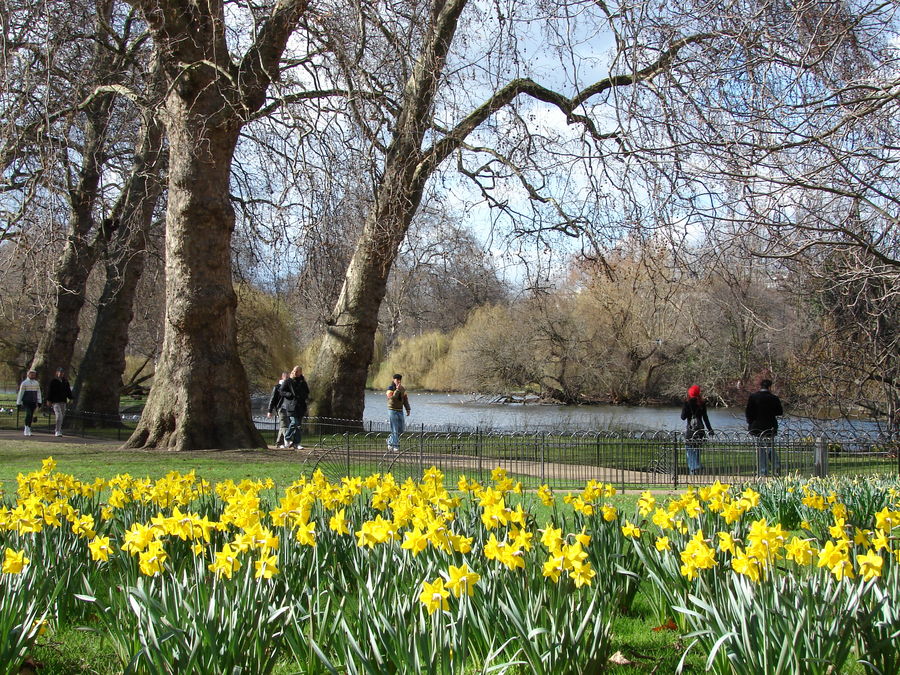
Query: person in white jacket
point(29, 398)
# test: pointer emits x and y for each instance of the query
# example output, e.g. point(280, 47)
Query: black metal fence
point(559, 459)
point(570, 460)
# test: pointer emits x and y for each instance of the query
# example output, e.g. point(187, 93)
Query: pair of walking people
point(289, 401)
point(762, 412)
point(58, 396)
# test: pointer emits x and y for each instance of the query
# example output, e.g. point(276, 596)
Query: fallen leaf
point(668, 625)
point(619, 659)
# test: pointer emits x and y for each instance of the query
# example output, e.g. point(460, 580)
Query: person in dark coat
point(295, 393)
point(275, 408)
point(58, 395)
point(763, 409)
point(694, 412)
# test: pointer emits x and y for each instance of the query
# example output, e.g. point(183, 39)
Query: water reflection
point(459, 411)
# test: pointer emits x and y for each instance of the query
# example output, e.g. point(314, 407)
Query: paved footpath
point(41, 436)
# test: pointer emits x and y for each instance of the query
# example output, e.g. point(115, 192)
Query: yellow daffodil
point(726, 542)
point(870, 565)
point(266, 567)
point(646, 503)
point(609, 513)
point(800, 551)
point(100, 548)
point(14, 561)
point(338, 522)
point(226, 562)
point(152, 559)
point(434, 595)
point(631, 531)
point(462, 580)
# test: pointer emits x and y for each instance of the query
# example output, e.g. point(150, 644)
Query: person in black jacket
point(59, 394)
point(694, 412)
point(275, 407)
point(763, 409)
point(294, 393)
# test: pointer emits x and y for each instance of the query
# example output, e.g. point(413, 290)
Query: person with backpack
point(294, 393)
point(694, 412)
point(29, 398)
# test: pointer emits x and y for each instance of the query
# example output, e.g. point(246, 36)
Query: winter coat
point(694, 412)
point(762, 409)
point(294, 392)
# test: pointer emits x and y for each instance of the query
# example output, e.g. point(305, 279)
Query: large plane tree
point(200, 395)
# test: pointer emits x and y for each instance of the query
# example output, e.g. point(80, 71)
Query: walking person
point(276, 408)
point(763, 409)
point(694, 412)
point(294, 393)
point(59, 393)
point(29, 398)
point(398, 401)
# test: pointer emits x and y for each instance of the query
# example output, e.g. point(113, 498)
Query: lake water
point(459, 410)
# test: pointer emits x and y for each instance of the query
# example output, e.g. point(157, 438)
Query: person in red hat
point(694, 412)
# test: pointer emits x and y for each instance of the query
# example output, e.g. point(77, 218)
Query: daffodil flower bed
point(371, 575)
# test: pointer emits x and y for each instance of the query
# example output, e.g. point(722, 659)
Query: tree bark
point(98, 384)
point(342, 366)
point(200, 398)
point(339, 377)
point(57, 343)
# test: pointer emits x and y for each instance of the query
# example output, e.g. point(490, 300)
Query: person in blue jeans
point(294, 395)
point(398, 401)
point(694, 412)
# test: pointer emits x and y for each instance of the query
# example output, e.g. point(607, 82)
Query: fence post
point(820, 459)
point(421, 451)
point(347, 446)
point(478, 452)
point(675, 459)
point(543, 458)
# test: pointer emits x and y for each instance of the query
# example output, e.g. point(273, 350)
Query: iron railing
point(559, 459)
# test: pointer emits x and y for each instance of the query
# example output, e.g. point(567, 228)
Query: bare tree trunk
point(98, 384)
point(57, 343)
point(200, 397)
point(339, 380)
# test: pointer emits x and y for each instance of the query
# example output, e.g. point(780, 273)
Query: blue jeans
point(768, 455)
point(398, 426)
point(693, 456)
point(294, 431)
